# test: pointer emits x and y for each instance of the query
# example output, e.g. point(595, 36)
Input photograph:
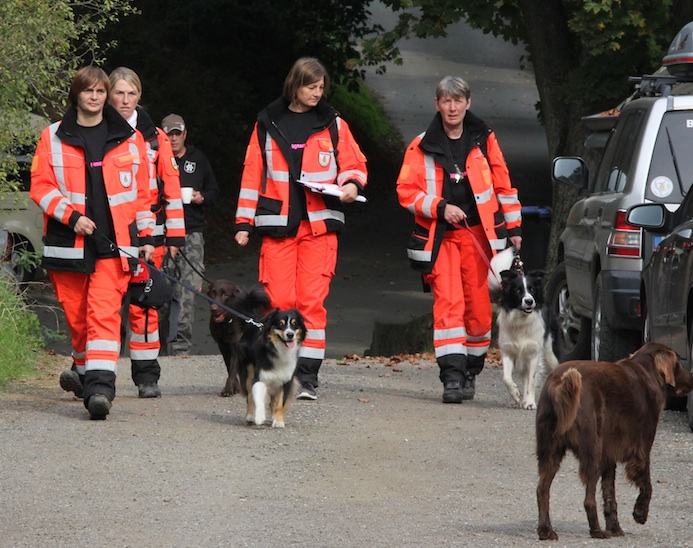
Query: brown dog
point(605, 413)
point(227, 329)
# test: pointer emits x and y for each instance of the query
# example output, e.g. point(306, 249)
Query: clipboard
point(330, 189)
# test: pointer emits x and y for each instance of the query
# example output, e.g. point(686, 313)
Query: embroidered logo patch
point(189, 167)
point(324, 159)
point(125, 178)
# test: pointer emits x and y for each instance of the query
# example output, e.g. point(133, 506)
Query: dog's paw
point(277, 424)
point(529, 405)
point(259, 418)
point(250, 419)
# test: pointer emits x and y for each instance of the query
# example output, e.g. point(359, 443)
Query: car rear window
point(671, 169)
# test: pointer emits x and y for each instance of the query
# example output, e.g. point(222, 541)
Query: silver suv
point(595, 288)
point(23, 221)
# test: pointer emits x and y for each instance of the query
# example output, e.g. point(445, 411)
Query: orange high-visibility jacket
point(58, 186)
point(420, 190)
point(269, 183)
point(164, 184)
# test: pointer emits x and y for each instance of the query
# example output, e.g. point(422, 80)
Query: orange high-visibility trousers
point(92, 304)
point(296, 272)
point(462, 313)
point(144, 340)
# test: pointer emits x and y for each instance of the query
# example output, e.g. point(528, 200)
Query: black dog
point(268, 364)
point(227, 329)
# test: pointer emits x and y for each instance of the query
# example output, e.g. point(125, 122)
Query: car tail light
point(625, 239)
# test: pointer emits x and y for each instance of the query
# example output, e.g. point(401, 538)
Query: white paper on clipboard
point(330, 189)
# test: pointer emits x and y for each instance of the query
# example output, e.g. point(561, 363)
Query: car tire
point(573, 330)
point(689, 400)
point(608, 344)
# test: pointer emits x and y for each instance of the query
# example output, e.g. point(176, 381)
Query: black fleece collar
point(118, 128)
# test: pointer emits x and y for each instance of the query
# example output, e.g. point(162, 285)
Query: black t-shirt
point(297, 127)
point(460, 189)
point(98, 210)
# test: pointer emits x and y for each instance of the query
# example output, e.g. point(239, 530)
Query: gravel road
point(378, 460)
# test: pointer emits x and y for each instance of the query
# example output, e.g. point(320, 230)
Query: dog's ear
point(508, 275)
point(665, 363)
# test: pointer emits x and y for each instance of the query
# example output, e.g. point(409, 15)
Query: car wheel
point(609, 344)
point(18, 246)
point(573, 330)
point(689, 400)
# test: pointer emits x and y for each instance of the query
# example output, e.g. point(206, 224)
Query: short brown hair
point(84, 78)
point(306, 71)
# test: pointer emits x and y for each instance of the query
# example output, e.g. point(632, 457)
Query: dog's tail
point(565, 396)
point(254, 302)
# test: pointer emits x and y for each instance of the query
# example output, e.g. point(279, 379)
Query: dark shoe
point(70, 382)
point(99, 407)
point(306, 391)
point(149, 390)
point(452, 393)
point(469, 387)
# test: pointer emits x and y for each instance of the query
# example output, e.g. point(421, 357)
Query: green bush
point(20, 335)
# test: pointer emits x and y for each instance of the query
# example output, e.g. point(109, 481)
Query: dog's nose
point(289, 335)
point(528, 301)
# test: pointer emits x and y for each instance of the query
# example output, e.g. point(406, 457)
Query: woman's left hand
point(147, 251)
point(349, 193)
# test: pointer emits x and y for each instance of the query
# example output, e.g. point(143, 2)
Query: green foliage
point(42, 43)
point(20, 336)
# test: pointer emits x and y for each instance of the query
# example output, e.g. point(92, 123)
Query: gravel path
point(378, 460)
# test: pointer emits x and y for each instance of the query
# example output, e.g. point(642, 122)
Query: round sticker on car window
point(662, 187)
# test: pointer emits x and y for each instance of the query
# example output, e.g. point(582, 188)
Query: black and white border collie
point(268, 365)
point(526, 332)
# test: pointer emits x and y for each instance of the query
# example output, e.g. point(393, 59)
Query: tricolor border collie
point(526, 333)
point(267, 368)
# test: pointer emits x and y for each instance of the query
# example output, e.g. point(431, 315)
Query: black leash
point(246, 319)
point(180, 251)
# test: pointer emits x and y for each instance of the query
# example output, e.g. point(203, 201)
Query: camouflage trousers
point(176, 319)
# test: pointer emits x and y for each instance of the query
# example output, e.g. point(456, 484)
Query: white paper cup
point(186, 193)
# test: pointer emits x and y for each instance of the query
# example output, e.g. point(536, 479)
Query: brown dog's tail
point(566, 399)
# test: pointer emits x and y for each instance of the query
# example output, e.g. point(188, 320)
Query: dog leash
point(180, 251)
point(246, 319)
point(517, 265)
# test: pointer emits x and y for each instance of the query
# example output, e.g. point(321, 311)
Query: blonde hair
point(129, 75)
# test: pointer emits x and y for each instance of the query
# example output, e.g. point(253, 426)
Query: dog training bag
point(148, 288)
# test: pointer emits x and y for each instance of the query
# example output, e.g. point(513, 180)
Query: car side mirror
point(570, 170)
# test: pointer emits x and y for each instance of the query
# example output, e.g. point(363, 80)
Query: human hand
point(84, 226)
point(453, 214)
point(173, 250)
point(197, 197)
point(349, 193)
point(147, 252)
point(242, 237)
point(516, 241)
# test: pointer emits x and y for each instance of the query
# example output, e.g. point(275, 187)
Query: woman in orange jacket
point(89, 176)
point(299, 138)
point(455, 181)
point(169, 233)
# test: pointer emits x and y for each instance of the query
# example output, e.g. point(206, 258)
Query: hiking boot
point(71, 382)
point(306, 391)
point(149, 390)
point(469, 387)
point(452, 392)
point(99, 407)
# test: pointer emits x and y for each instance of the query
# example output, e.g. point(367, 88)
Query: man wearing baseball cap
point(196, 174)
